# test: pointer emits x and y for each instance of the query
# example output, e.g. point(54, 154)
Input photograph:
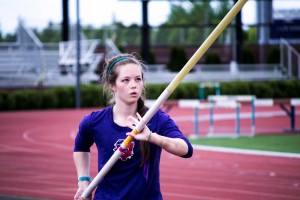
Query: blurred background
point(45, 45)
point(243, 94)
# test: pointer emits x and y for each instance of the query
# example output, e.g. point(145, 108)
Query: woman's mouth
point(133, 93)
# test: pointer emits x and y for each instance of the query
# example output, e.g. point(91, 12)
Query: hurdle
point(291, 113)
point(204, 85)
point(234, 102)
point(198, 105)
point(223, 99)
point(166, 106)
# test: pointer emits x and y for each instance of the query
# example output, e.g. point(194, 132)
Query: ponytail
point(144, 146)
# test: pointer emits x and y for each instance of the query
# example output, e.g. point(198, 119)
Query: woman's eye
point(126, 80)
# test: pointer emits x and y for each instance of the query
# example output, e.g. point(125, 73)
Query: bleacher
point(30, 63)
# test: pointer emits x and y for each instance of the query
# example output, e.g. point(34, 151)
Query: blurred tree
point(10, 37)
point(128, 36)
point(170, 35)
point(250, 35)
point(92, 33)
point(50, 34)
point(190, 22)
point(177, 58)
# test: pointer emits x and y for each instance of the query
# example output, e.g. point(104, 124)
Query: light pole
point(77, 55)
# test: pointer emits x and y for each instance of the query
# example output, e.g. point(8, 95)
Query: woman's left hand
point(131, 123)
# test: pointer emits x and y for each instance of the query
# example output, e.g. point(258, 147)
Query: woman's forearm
point(175, 146)
point(82, 163)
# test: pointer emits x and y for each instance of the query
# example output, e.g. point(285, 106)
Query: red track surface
point(36, 161)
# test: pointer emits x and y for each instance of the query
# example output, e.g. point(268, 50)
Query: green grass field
point(279, 143)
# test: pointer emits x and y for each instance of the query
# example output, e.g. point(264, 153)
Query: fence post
point(196, 121)
point(237, 119)
point(201, 91)
point(253, 115)
point(211, 118)
point(217, 88)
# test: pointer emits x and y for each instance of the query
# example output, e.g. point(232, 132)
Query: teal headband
point(113, 63)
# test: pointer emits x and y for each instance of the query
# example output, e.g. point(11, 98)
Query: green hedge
point(177, 58)
point(92, 95)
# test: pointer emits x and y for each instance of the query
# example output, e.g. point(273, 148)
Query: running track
point(36, 160)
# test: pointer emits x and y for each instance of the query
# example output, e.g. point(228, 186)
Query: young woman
point(136, 174)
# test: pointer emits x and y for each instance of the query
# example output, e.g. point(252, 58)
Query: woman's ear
point(113, 88)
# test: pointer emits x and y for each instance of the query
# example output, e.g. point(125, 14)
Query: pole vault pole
point(165, 94)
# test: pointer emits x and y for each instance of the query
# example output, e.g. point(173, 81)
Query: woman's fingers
point(139, 116)
point(130, 125)
point(133, 120)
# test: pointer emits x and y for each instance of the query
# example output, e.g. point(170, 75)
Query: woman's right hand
point(82, 185)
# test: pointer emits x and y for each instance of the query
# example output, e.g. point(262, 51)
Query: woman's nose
point(133, 84)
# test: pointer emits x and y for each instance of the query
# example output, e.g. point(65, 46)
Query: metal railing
point(111, 48)
point(88, 57)
point(67, 51)
point(218, 72)
point(289, 59)
point(23, 59)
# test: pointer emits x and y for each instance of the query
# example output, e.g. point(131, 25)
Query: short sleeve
point(190, 149)
point(170, 129)
point(84, 138)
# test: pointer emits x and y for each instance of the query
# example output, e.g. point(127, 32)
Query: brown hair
point(109, 76)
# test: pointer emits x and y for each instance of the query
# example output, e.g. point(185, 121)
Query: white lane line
point(228, 116)
point(10, 148)
point(190, 196)
point(53, 191)
point(27, 137)
point(246, 151)
point(228, 190)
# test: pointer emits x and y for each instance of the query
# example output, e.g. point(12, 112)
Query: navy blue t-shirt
point(127, 178)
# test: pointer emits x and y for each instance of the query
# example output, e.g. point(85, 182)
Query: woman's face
point(129, 83)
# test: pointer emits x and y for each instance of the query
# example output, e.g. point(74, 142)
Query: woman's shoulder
point(160, 117)
point(162, 114)
point(94, 115)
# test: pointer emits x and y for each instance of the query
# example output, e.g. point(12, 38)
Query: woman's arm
point(82, 164)
point(176, 146)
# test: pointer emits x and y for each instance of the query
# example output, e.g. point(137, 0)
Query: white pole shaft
point(168, 91)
